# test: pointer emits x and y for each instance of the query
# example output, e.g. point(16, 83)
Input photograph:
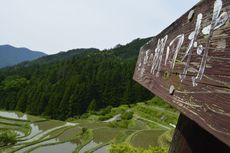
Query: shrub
point(105, 117)
point(84, 130)
point(127, 115)
point(126, 148)
point(85, 116)
point(7, 137)
point(104, 111)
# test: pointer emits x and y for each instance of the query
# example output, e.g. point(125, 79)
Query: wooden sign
point(188, 65)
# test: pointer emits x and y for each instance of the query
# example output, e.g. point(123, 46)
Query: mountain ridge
point(74, 82)
point(10, 55)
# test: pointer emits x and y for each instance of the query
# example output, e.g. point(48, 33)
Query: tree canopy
point(70, 84)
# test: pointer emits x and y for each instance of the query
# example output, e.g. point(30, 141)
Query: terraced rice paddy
point(58, 148)
point(150, 136)
point(35, 132)
point(40, 135)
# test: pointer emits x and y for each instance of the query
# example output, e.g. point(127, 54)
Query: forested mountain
point(72, 83)
point(10, 55)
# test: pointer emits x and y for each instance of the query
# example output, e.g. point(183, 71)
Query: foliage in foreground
point(126, 148)
point(7, 137)
point(166, 138)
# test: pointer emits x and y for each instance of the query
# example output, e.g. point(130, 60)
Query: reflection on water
point(13, 115)
point(89, 146)
point(34, 131)
point(103, 149)
point(66, 147)
point(51, 148)
point(37, 144)
point(19, 133)
point(41, 134)
point(40, 131)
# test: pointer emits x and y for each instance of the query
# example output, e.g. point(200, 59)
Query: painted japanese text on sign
point(188, 65)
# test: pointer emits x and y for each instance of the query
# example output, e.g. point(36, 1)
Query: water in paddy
point(66, 147)
point(13, 115)
point(35, 145)
point(34, 131)
point(38, 130)
point(103, 149)
point(19, 133)
point(51, 145)
point(37, 134)
point(89, 146)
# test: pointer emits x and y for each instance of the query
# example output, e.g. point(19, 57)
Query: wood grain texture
point(192, 58)
point(185, 141)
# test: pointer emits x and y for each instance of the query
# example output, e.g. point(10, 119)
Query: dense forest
point(72, 83)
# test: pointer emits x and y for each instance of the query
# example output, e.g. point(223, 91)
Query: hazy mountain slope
point(10, 55)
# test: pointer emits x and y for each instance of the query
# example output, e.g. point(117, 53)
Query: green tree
point(92, 106)
point(127, 115)
point(14, 83)
point(72, 83)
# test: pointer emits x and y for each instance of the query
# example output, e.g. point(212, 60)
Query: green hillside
point(73, 82)
point(85, 101)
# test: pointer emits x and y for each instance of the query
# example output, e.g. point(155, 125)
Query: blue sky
point(58, 25)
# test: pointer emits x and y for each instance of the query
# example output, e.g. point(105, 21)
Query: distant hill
point(10, 55)
point(73, 82)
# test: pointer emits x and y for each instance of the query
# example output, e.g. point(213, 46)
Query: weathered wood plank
point(191, 138)
point(192, 57)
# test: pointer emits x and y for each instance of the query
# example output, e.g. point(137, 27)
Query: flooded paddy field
point(36, 134)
